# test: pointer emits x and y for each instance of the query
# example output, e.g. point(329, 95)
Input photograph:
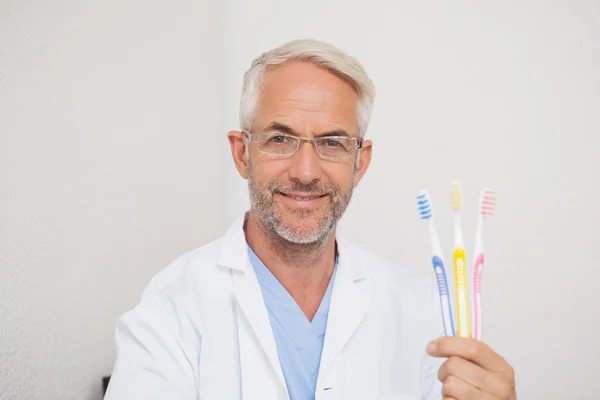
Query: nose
point(306, 164)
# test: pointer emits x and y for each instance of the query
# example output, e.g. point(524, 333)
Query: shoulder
point(171, 291)
point(395, 275)
point(411, 296)
point(174, 297)
point(416, 293)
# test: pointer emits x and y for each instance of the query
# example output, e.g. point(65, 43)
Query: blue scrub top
point(299, 341)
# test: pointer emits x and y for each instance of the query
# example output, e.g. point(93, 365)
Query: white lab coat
point(201, 331)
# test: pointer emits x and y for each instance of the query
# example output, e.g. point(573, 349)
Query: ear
point(364, 160)
point(237, 143)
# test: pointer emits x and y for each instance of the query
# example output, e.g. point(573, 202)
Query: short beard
point(262, 201)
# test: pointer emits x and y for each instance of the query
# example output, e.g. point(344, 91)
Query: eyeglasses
point(330, 147)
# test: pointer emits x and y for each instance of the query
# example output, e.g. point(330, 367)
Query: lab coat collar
point(234, 255)
point(347, 310)
point(234, 252)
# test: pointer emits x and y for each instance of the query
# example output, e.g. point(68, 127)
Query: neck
point(303, 269)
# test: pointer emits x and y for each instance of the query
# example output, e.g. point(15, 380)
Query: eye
point(279, 139)
point(333, 143)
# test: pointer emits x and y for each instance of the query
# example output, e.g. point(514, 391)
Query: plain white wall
point(109, 121)
point(502, 94)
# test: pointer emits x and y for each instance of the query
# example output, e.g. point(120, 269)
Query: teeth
point(303, 198)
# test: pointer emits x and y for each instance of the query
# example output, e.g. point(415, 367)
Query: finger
point(455, 387)
point(465, 370)
point(473, 374)
point(470, 349)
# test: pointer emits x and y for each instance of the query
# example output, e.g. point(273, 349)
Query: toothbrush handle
point(462, 304)
point(440, 273)
point(477, 271)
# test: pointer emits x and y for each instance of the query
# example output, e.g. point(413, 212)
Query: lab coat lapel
point(251, 303)
point(250, 300)
point(348, 307)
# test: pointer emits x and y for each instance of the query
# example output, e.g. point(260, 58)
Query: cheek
point(341, 174)
point(265, 169)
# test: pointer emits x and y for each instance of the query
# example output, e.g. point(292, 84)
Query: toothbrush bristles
point(424, 205)
point(487, 202)
point(456, 197)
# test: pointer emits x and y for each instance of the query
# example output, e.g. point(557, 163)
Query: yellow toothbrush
point(460, 265)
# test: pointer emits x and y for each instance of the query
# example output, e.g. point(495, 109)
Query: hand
point(473, 370)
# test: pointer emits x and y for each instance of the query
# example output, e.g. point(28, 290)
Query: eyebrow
point(279, 127)
point(283, 128)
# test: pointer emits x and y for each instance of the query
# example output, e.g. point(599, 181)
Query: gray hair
point(320, 54)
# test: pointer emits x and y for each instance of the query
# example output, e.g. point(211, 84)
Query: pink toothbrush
point(487, 205)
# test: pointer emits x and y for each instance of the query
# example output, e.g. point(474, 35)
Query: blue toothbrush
point(426, 214)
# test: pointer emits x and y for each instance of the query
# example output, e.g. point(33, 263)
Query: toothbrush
point(487, 204)
point(426, 214)
point(460, 265)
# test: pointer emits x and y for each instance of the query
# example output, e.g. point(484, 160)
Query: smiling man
point(282, 307)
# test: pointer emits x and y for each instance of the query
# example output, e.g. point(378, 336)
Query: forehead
point(307, 98)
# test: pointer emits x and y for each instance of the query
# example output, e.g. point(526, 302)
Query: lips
point(303, 197)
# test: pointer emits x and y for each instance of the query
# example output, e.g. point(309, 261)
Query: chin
point(303, 226)
point(299, 236)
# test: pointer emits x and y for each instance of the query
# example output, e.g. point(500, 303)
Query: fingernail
point(431, 348)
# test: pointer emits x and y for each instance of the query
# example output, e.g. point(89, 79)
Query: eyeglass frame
point(301, 141)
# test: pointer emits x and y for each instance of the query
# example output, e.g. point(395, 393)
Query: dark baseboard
point(105, 380)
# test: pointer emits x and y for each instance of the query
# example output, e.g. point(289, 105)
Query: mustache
point(295, 186)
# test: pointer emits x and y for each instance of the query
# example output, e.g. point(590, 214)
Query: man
point(282, 307)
